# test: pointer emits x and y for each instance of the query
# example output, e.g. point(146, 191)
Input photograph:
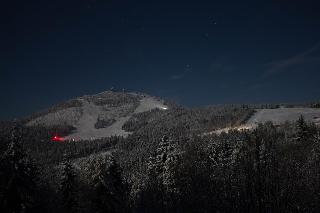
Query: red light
point(57, 139)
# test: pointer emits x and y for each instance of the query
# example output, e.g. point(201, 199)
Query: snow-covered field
point(280, 115)
point(276, 116)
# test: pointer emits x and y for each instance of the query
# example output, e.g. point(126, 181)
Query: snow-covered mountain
point(97, 116)
point(105, 114)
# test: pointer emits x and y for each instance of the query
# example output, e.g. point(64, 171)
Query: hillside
point(281, 115)
point(112, 113)
point(277, 116)
point(97, 116)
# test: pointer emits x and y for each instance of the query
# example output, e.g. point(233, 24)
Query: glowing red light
point(57, 138)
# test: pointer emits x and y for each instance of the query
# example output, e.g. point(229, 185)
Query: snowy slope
point(85, 126)
point(276, 116)
point(280, 115)
point(98, 107)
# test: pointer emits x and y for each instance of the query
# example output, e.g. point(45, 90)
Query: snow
point(276, 116)
point(87, 131)
point(149, 103)
point(85, 125)
point(68, 116)
point(81, 163)
point(227, 129)
point(84, 118)
point(280, 115)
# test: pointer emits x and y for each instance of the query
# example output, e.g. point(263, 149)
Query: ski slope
point(276, 116)
point(87, 131)
point(93, 108)
point(281, 115)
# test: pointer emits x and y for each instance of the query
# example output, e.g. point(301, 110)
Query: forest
point(165, 165)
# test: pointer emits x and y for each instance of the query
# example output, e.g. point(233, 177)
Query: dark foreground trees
point(265, 170)
point(161, 192)
point(68, 187)
point(110, 193)
point(269, 169)
point(18, 178)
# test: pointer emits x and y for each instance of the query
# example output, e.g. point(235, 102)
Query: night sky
point(194, 52)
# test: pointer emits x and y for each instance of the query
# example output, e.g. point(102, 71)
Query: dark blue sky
point(194, 52)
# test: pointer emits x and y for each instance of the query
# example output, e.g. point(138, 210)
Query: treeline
point(64, 105)
point(112, 98)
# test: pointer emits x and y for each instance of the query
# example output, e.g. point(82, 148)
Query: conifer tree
point(110, 191)
point(161, 173)
point(315, 165)
point(18, 177)
point(68, 186)
point(302, 129)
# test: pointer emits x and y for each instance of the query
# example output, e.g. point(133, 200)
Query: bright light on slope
point(57, 138)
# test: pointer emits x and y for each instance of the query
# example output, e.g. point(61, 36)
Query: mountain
point(113, 113)
point(97, 116)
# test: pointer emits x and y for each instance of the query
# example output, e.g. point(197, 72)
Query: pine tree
point(316, 169)
point(161, 173)
point(110, 191)
point(68, 186)
point(18, 177)
point(302, 129)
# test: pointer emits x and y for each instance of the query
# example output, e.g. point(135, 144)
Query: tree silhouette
point(18, 177)
point(302, 129)
point(110, 191)
point(68, 187)
point(161, 174)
